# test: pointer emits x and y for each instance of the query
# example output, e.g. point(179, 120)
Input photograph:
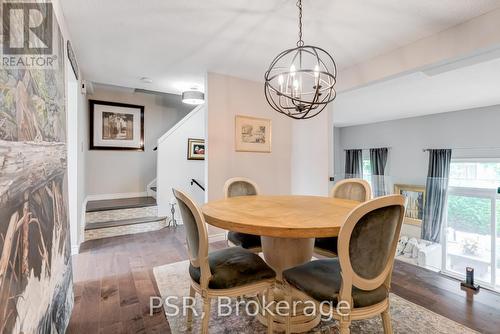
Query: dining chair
point(242, 186)
point(230, 272)
point(360, 277)
point(353, 189)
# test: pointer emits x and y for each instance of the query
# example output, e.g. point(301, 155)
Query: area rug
point(407, 318)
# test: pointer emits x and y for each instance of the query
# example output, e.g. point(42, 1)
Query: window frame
point(486, 193)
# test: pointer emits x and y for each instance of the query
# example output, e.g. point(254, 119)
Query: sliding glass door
point(471, 236)
point(497, 239)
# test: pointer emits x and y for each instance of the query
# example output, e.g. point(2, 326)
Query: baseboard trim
point(83, 221)
point(216, 237)
point(75, 249)
point(148, 189)
point(101, 197)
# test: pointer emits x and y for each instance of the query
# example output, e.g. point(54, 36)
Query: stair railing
point(193, 181)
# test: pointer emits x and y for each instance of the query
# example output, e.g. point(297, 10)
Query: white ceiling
point(176, 42)
point(418, 94)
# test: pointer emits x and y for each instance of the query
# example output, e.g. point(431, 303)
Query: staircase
point(108, 218)
point(173, 168)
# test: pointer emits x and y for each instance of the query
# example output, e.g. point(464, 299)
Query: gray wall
point(474, 128)
point(113, 172)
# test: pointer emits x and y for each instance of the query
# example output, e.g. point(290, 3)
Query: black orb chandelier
point(299, 82)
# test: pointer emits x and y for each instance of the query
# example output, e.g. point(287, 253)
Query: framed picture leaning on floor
point(415, 196)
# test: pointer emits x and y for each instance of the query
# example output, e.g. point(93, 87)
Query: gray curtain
point(353, 164)
point(378, 161)
point(436, 194)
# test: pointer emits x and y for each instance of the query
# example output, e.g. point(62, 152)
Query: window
point(472, 230)
point(497, 251)
point(472, 174)
point(367, 167)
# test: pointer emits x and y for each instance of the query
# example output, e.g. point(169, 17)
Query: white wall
point(76, 148)
point(227, 97)
point(83, 139)
point(310, 156)
point(470, 133)
point(129, 172)
point(72, 92)
point(174, 170)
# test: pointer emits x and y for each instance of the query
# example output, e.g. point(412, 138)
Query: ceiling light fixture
point(299, 81)
point(193, 96)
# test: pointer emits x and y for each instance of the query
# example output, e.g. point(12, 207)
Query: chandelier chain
point(300, 42)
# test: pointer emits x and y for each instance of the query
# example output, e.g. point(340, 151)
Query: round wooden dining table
point(287, 225)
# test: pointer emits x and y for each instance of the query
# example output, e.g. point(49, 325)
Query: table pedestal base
point(281, 254)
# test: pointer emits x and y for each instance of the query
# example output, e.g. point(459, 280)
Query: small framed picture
point(252, 134)
point(116, 126)
point(415, 197)
point(196, 149)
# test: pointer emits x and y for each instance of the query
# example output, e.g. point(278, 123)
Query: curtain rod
point(365, 149)
point(464, 148)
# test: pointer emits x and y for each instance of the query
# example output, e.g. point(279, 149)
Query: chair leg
point(270, 319)
point(192, 294)
point(206, 315)
point(288, 299)
point(345, 321)
point(345, 326)
point(386, 321)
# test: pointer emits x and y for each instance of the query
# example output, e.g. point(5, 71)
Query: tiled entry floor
point(110, 218)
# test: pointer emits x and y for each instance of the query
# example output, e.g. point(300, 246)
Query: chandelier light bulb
point(292, 70)
point(280, 82)
point(316, 71)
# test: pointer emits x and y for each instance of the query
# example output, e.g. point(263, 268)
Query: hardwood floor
point(113, 281)
point(443, 295)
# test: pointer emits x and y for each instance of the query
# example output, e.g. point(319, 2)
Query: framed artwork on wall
point(252, 134)
point(415, 196)
point(116, 126)
point(196, 149)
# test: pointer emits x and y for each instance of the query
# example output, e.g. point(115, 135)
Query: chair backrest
point(240, 186)
point(353, 189)
point(367, 243)
point(196, 234)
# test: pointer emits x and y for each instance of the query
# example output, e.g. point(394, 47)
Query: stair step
point(121, 203)
point(122, 222)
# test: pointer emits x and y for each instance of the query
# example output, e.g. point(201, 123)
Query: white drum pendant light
point(194, 97)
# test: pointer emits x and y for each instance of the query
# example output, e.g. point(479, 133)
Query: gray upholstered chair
point(230, 272)
point(241, 186)
point(360, 277)
point(353, 189)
